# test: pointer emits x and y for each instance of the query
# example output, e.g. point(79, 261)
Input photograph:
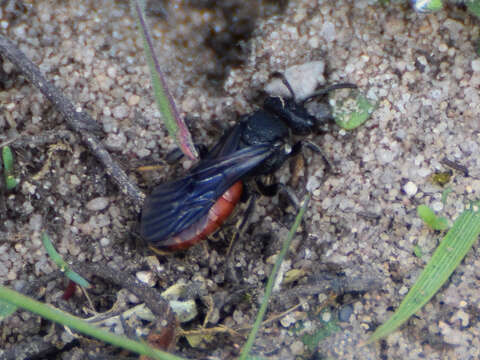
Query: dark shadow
point(228, 44)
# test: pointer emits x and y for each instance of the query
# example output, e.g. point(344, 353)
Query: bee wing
point(228, 144)
point(174, 206)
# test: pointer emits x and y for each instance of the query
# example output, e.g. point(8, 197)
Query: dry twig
point(78, 121)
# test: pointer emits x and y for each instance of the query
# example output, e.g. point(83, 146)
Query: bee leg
point(315, 148)
point(240, 227)
point(266, 190)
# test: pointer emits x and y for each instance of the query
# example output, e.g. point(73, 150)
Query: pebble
point(452, 335)
point(327, 316)
point(133, 100)
point(345, 313)
point(146, 277)
point(116, 141)
point(74, 180)
point(104, 241)
point(297, 347)
point(410, 188)
point(303, 79)
point(35, 222)
point(437, 206)
point(476, 65)
point(462, 316)
point(120, 111)
point(288, 320)
point(97, 204)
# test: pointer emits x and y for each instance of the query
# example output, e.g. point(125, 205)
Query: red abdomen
point(215, 217)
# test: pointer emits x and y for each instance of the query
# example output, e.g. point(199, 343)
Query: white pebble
point(476, 65)
point(437, 206)
point(97, 204)
point(410, 188)
point(326, 316)
point(288, 320)
point(146, 277)
point(303, 79)
point(104, 241)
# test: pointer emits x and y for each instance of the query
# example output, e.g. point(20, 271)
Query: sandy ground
point(422, 70)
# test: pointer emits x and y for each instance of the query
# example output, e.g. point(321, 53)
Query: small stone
point(133, 100)
point(28, 188)
point(142, 152)
point(12, 275)
point(35, 222)
point(437, 206)
point(297, 348)
point(112, 72)
point(410, 188)
point(476, 65)
point(115, 141)
point(313, 183)
point(132, 299)
point(146, 277)
point(452, 335)
point(345, 313)
point(385, 156)
point(104, 242)
point(74, 180)
point(326, 316)
point(462, 316)
point(238, 317)
point(120, 111)
point(97, 204)
point(403, 290)
point(303, 79)
point(443, 47)
point(288, 320)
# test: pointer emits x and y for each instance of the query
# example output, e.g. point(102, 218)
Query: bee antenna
point(327, 89)
point(285, 82)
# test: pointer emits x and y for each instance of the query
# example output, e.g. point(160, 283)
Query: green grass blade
point(173, 121)
point(6, 309)
point(474, 7)
point(271, 281)
point(58, 260)
point(448, 255)
point(11, 182)
point(7, 158)
point(58, 316)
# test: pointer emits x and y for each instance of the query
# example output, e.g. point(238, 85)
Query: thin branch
point(150, 296)
point(78, 121)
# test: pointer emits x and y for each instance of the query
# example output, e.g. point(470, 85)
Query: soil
point(353, 259)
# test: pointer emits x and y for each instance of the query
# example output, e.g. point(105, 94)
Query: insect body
point(180, 213)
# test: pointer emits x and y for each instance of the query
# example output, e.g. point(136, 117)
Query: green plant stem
point(58, 260)
point(271, 281)
point(174, 123)
point(58, 316)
